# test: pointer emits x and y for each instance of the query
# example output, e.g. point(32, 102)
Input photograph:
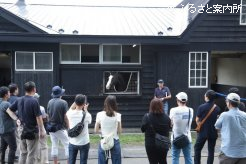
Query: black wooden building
point(192, 46)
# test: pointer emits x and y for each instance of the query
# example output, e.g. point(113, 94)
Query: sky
point(140, 3)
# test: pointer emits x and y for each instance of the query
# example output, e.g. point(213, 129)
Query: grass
point(125, 139)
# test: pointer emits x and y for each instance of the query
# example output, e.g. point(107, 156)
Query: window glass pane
point(192, 73)
point(204, 56)
point(198, 73)
point(112, 53)
point(198, 56)
point(198, 82)
point(244, 2)
point(244, 9)
point(192, 65)
point(203, 81)
point(198, 65)
point(192, 82)
point(90, 53)
point(204, 65)
point(130, 54)
point(243, 18)
point(24, 60)
point(192, 56)
point(43, 60)
point(204, 73)
point(70, 53)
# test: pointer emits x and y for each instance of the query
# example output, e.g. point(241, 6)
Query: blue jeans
point(73, 151)
point(165, 107)
point(176, 153)
point(115, 154)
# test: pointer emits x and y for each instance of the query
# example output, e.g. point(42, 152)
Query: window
point(198, 69)
point(121, 82)
point(243, 13)
point(100, 54)
point(89, 53)
point(33, 61)
point(70, 53)
point(111, 53)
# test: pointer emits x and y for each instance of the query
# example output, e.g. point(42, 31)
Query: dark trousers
point(73, 151)
point(200, 141)
point(8, 139)
point(156, 156)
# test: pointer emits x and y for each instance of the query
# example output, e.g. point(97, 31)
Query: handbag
point(161, 142)
point(77, 129)
point(53, 127)
point(182, 141)
point(199, 125)
point(27, 134)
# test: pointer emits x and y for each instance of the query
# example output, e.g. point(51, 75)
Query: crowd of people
point(24, 125)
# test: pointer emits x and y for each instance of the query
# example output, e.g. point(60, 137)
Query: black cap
point(160, 81)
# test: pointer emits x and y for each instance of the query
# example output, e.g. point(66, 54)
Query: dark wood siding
point(218, 27)
point(87, 79)
point(6, 26)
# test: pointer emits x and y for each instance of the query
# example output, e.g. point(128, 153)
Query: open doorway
point(5, 68)
point(228, 69)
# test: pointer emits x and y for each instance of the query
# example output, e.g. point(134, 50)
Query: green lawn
point(125, 139)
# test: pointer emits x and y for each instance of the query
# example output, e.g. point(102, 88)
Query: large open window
point(33, 61)
point(198, 69)
point(100, 54)
point(121, 82)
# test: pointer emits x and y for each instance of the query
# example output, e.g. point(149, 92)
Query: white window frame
point(70, 62)
point(242, 13)
point(123, 93)
point(34, 64)
point(206, 69)
point(101, 62)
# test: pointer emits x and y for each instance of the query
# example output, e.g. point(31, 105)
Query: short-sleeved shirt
point(7, 124)
point(208, 130)
point(74, 117)
point(12, 99)
point(179, 116)
point(28, 109)
point(233, 133)
point(56, 109)
point(163, 92)
point(108, 124)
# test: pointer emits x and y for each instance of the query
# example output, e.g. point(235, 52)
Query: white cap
point(182, 96)
point(233, 97)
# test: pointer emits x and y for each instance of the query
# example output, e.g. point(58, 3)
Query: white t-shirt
point(44, 114)
point(74, 117)
point(179, 117)
point(108, 124)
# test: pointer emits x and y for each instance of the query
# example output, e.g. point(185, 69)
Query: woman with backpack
point(110, 123)
point(154, 123)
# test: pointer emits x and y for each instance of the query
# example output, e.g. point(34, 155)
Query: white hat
point(233, 97)
point(182, 96)
point(36, 95)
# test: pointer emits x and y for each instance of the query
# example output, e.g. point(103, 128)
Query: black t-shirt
point(7, 124)
point(56, 109)
point(208, 130)
point(161, 124)
point(28, 109)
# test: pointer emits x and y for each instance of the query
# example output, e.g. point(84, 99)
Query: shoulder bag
point(77, 129)
point(183, 140)
point(199, 125)
point(161, 142)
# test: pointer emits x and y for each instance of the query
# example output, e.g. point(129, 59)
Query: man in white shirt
point(181, 117)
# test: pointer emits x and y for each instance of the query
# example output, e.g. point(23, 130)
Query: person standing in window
point(208, 131)
point(80, 143)
point(110, 122)
point(180, 117)
point(57, 109)
point(232, 125)
point(156, 121)
point(7, 127)
point(163, 93)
